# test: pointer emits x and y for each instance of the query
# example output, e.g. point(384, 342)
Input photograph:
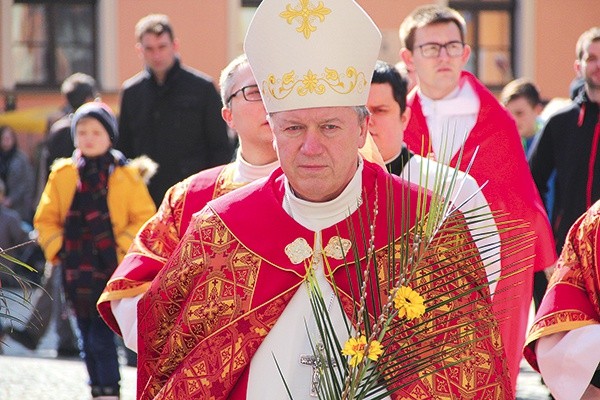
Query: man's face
point(158, 52)
point(438, 76)
point(91, 137)
point(318, 149)
point(589, 66)
point(248, 118)
point(7, 139)
point(525, 116)
point(387, 123)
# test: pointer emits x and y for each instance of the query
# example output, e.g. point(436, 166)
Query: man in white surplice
point(389, 116)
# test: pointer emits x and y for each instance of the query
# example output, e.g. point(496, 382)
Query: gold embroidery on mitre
point(306, 13)
point(337, 248)
point(330, 79)
point(298, 251)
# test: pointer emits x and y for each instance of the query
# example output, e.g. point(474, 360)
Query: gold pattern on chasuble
point(225, 183)
point(315, 83)
point(160, 236)
point(475, 347)
point(210, 287)
point(305, 13)
point(218, 299)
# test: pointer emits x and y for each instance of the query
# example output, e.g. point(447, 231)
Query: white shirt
point(568, 360)
point(450, 120)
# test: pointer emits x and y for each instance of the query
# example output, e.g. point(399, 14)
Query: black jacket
point(177, 124)
point(569, 143)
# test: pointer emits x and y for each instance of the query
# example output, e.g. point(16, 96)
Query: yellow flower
point(375, 350)
point(409, 303)
point(355, 348)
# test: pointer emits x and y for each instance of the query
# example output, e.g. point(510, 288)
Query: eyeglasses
point(432, 50)
point(250, 93)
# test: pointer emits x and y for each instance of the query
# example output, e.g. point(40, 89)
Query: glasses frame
point(243, 91)
point(444, 46)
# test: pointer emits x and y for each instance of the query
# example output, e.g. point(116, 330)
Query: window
point(52, 40)
point(490, 33)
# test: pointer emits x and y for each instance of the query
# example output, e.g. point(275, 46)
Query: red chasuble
point(159, 237)
point(229, 280)
point(500, 165)
point(572, 299)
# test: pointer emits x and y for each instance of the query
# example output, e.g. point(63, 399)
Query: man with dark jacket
point(569, 144)
point(170, 112)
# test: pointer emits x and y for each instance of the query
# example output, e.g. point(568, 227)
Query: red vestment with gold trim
point(501, 166)
point(572, 299)
point(224, 288)
point(160, 235)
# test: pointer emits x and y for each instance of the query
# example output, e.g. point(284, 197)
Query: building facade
point(43, 41)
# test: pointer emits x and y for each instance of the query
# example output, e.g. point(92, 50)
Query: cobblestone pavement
point(39, 375)
point(27, 375)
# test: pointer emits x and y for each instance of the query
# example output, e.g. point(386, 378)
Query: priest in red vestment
point(564, 339)
point(245, 113)
point(229, 316)
point(455, 119)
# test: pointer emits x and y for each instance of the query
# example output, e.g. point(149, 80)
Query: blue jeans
point(100, 352)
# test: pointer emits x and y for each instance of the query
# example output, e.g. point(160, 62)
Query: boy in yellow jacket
point(90, 210)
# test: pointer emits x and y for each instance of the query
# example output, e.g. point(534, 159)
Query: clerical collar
point(450, 120)
point(318, 216)
point(397, 164)
point(461, 101)
point(245, 172)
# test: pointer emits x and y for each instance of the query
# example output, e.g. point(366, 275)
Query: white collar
point(461, 101)
point(317, 216)
point(246, 172)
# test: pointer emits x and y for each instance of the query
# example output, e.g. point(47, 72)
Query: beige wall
point(199, 25)
point(388, 15)
point(204, 29)
point(559, 24)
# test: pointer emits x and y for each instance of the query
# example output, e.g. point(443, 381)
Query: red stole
point(571, 300)
point(501, 163)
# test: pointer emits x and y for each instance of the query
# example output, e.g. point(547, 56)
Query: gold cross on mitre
point(305, 12)
point(312, 53)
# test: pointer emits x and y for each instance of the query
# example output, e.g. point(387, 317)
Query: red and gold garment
point(571, 300)
point(161, 234)
point(501, 169)
point(224, 288)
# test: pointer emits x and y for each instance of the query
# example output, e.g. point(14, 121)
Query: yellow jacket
point(129, 206)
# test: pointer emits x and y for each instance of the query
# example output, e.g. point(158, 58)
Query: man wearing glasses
point(451, 110)
point(244, 113)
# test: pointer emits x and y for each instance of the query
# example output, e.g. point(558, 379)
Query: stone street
point(39, 375)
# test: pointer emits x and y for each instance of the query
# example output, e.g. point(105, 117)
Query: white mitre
point(307, 54)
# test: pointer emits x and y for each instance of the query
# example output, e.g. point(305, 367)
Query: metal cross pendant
point(316, 364)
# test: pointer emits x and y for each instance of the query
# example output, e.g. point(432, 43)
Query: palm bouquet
point(20, 295)
point(419, 306)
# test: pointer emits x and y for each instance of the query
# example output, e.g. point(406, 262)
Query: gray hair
point(227, 78)
point(362, 112)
